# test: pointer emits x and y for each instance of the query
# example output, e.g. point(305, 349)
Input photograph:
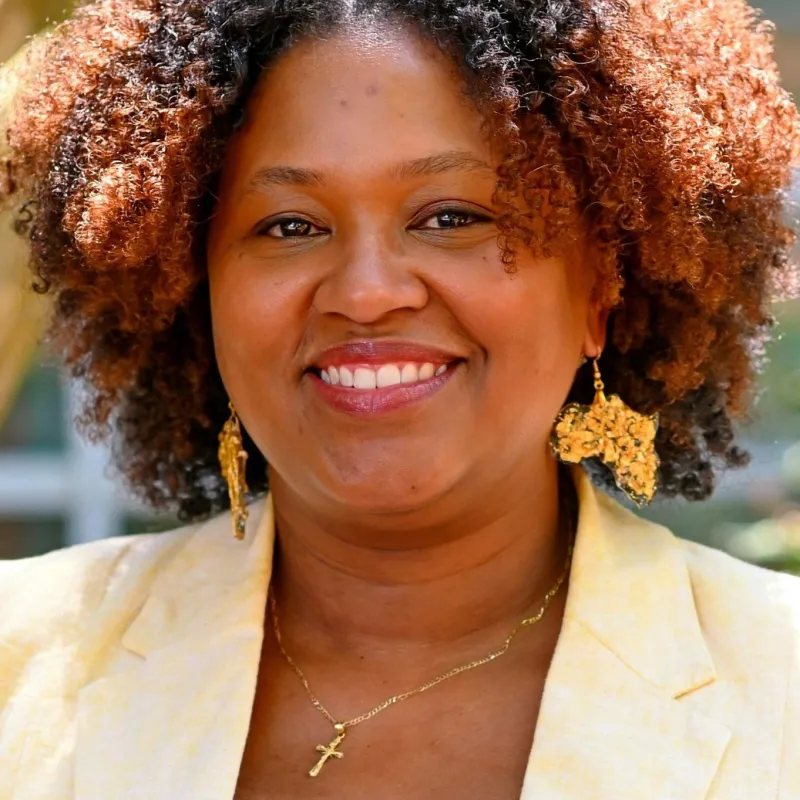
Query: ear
point(596, 327)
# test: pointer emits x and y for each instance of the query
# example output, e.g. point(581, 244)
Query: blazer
point(128, 668)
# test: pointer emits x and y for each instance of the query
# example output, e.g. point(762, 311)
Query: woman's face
point(374, 346)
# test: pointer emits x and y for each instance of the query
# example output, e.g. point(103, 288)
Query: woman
point(394, 239)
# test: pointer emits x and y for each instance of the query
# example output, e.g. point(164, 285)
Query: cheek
point(529, 318)
point(255, 313)
point(531, 325)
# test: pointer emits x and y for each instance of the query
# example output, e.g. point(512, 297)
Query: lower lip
point(379, 401)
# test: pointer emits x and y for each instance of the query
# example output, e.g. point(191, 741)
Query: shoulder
point(53, 601)
point(748, 616)
point(726, 590)
point(733, 624)
point(750, 619)
point(66, 583)
point(742, 596)
point(732, 598)
point(72, 582)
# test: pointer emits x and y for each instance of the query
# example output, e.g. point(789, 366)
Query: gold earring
point(621, 437)
point(233, 460)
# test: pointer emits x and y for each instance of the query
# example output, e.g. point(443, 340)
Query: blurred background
point(54, 491)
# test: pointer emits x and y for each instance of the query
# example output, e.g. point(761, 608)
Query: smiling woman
point(363, 254)
point(389, 243)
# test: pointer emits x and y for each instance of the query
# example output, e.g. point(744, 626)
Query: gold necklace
point(330, 750)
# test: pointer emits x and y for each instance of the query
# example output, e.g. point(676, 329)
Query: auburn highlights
point(658, 127)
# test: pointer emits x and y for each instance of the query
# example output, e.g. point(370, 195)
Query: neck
point(472, 578)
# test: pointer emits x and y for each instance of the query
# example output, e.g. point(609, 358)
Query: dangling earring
point(233, 460)
point(621, 437)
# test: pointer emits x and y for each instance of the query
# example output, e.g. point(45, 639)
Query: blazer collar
point(630, 587)
point(614, 716)
point(214, 580)
point(171, 721)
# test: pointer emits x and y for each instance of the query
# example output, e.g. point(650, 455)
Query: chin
point(376, 502)
point(388, 493)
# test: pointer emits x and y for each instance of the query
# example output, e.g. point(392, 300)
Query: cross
point(328, 751)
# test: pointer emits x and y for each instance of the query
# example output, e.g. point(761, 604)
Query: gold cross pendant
point(328, 751)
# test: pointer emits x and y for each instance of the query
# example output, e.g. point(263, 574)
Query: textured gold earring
point(233, 460)
point(609, 430)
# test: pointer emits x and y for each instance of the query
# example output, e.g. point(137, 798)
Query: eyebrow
point(450, 161)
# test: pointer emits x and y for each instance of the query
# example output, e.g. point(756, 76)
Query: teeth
point(410, 374)
point(364, 379)
point(387, 375)
point(345, 376)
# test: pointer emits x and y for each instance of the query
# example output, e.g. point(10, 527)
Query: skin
point(413, 541)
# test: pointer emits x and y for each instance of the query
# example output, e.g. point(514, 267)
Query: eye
point(451, 218)
point(289, 228)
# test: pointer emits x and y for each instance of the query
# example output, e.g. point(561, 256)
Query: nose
point(370, 279)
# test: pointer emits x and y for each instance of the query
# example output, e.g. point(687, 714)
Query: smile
point(372, 389)
point(370, 378)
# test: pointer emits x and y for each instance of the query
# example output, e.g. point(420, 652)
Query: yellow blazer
point(128, 668)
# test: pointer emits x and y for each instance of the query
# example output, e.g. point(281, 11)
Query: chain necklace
point(330, 750)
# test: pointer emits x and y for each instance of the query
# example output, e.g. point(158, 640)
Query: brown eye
point(289, 228)
point(451, 218)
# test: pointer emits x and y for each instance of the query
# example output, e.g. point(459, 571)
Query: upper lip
point(382, 351)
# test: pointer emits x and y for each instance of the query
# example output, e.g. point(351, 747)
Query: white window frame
point(71, 484)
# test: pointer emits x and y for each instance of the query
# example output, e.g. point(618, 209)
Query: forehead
point(360, 99)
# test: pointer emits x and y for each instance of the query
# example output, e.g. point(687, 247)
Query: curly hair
point(661, 122)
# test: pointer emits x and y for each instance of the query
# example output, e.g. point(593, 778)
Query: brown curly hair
point(661, 122)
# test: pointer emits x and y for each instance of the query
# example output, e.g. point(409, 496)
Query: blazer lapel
point(173, 725)
point(612, 724)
